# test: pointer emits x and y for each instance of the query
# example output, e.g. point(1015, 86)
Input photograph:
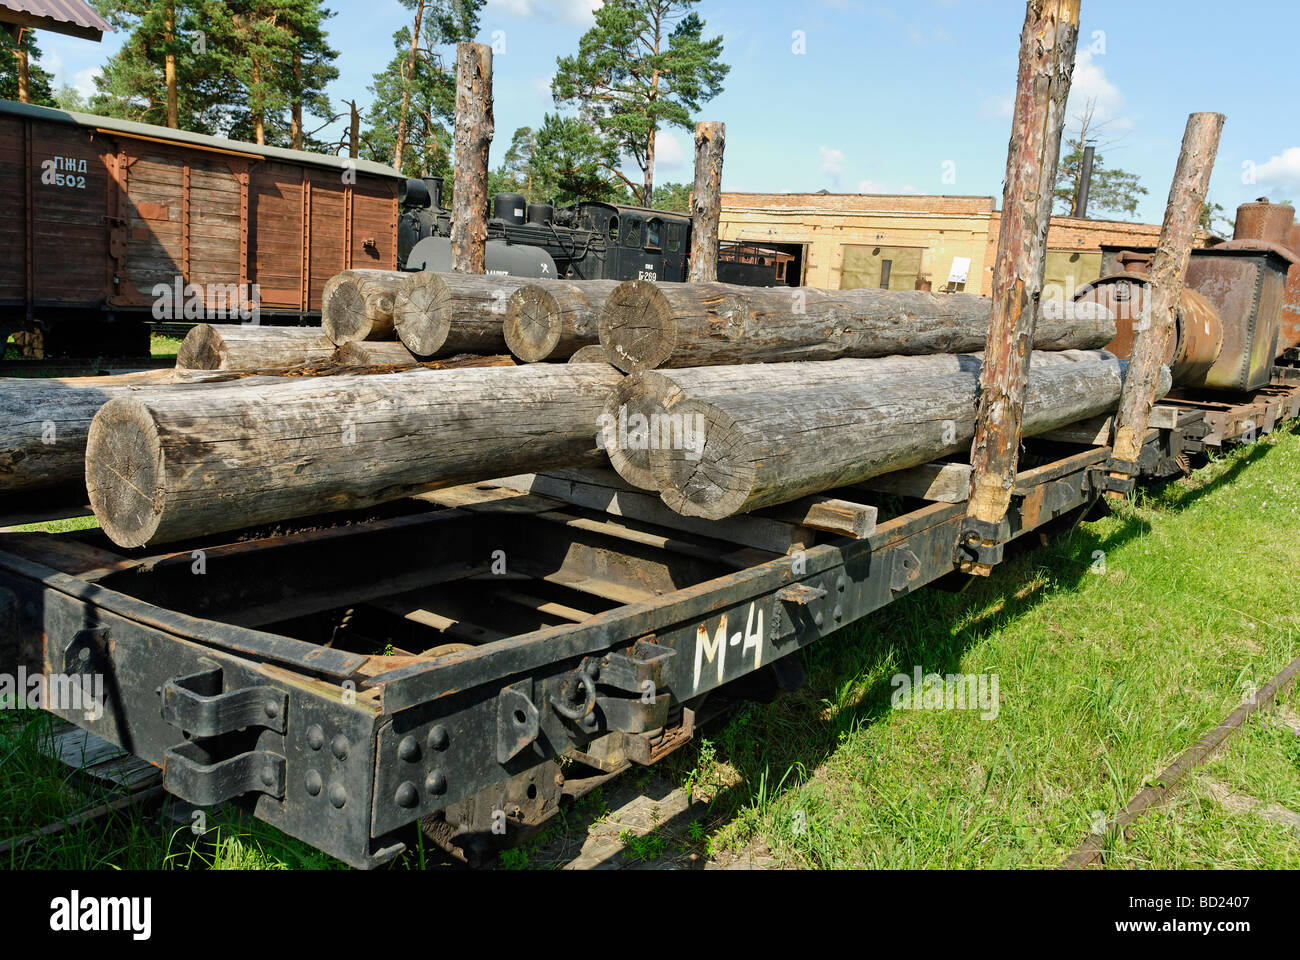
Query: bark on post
point(706, 201)
point(1167, 274)
point(1047, 49)
point(473, 138)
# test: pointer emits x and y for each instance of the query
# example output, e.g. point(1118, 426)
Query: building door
point(880, 267)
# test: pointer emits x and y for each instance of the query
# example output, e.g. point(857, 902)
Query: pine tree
point(17, 59)
point(673, 196)
point(644, 64)
point(410, 120)
point(573, 161)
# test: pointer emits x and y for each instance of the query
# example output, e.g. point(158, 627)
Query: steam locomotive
point(589, 240)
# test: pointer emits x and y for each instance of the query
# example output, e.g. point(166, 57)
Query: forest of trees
point(258, 70)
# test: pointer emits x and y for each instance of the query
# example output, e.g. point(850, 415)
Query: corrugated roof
point(59, 16)
point(152, 132)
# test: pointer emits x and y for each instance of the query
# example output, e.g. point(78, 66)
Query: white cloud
point(84, 81)
point(832, 163)
point(575, 12)
point(997, 107)
point(542, 85)
point(669, 154)
point(1091, 85)
point(871, 186)
point(1281, 171)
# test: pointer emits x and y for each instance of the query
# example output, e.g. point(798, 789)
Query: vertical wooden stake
point(473, 138)
point(1168, 273)
point(1047, 48)
point(706, 201)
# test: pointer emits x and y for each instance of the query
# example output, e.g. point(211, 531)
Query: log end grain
point(591, 353)
point(711, 474)
point(201, 349)
point(419, 316)
point(125, 469)
point(631, 420)
point(637, 327)
point(533, 323)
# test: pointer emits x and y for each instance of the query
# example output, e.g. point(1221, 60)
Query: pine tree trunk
point(169, 69)
point(474, 128)
point(405, 108)
point(706, 201)
point(24, 73)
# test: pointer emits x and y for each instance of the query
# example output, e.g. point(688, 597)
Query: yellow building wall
point(825, 235)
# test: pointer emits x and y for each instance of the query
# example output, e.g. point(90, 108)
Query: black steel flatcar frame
point(332, 749)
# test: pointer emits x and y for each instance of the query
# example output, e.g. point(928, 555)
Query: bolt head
point(409, 749)
point(439, 738)
point(338, 796)
point(339, 746)
point(407, 795)
point(436, 783)
point(315, 736)
point(313, 783)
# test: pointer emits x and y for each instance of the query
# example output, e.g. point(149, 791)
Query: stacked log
point(236, 347)
point(44, 423)
point(647, 325)
point(592, 353)
point(634, 411)
point(437, 314)
point(553, 319)
point(374, 353)
point(358, 305)
point(156, 472)
point(754, 449)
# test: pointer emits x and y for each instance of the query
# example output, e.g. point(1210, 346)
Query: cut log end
point(591, 353)
point(418, 314)
point(343, 313)
point(637, 328)
point(631, 419)
point(125, 470)
point(532, 326)
point(711, 473)
point(200, 350)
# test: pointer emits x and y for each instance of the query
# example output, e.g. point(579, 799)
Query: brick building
point(842, 241)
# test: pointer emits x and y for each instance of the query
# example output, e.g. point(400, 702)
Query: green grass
point(67, 525)
point(163, 346)
point(1105, 676)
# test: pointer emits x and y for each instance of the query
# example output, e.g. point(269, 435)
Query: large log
point(553, 319)
point(44, 423)
point(238, 346)
point(437, 314)
point(647, 325)
point(1047, 48)
point(592, 353)
point(749, 450)
point(1168, 272)
point(164, 468)
point(633, 416)
point(358, 305)
point(362, 353)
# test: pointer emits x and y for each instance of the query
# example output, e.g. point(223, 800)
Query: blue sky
point(891, 95)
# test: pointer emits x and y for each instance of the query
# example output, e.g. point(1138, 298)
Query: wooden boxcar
point(101, 215)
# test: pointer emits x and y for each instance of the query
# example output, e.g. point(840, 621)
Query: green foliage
point(38, 80)
point(644, 65)
point(673, 196)
point(574, 162)
point(413, 110)
point(247, 69)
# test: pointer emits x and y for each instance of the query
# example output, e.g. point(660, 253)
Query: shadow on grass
point(774, 748)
